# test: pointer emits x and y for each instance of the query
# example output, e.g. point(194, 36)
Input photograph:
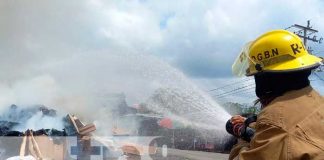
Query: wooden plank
point(71, 118)
point(87, 129)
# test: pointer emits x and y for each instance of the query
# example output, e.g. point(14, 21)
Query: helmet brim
point(307, 62)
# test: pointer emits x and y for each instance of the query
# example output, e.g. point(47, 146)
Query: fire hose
point(242, 130)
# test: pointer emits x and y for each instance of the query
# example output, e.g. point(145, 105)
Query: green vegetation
point(237, 108)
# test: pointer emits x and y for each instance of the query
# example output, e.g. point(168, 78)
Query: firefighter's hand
point(237, 119)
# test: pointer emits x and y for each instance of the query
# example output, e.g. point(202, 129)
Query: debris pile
point(45, 142)
point(72, 138)
point(16, 116)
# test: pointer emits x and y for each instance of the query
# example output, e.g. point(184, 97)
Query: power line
point(241, 91)
point(304, 32)
point(248, 94)
point(239, 88)
point(235, 91)
point(231, 84)
point(248, 90)
point(288, 27)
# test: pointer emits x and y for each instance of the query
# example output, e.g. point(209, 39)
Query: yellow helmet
point(274, 51)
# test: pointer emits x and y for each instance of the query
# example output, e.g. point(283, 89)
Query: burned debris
point(45, 142)
point(16, 116)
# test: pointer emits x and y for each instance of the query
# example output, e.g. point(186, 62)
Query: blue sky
point(200, 38)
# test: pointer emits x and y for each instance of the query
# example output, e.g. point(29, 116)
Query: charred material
point(15, 116)
point(43, 142)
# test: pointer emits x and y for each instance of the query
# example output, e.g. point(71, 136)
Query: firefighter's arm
point(241, 145)
point(267, 143)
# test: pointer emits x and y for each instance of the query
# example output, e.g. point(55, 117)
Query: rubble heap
point(15, 116)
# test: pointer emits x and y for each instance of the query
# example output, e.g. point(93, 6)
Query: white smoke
point(82, 85)
point(41, 89)
point(39, 121)
point(70, 56)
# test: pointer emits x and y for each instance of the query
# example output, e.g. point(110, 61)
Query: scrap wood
point(87, 129)
point(80, 127)
point(71, 118)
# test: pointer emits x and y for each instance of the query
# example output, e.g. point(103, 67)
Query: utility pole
point(306, 32)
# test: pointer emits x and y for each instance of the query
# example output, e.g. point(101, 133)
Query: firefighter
point(291, 122)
